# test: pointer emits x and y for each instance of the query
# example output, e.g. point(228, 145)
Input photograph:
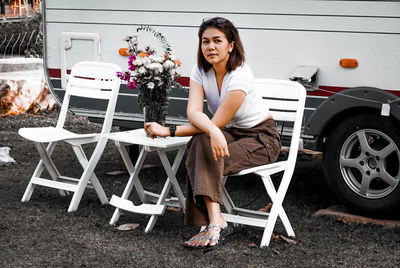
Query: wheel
point(361, 162)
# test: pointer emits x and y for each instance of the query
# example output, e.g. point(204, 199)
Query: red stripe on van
point(184, 81)
point(325, 91)
point(56, 73)
point(329, 91)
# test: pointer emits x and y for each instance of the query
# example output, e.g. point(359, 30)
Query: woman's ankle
point(218, 220)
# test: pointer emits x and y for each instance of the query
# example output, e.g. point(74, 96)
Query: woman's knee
point(200, 139)
point(199, 145)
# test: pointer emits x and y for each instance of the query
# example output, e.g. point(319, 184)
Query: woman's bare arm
point(225, 112)
point(199, 121)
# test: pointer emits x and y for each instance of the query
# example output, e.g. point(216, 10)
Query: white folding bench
point(286, 101)
point(93, 80)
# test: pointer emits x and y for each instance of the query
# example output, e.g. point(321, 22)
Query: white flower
point(155, 58)
point(150, 85)
point(142, 70)
point(134, 73)
point(168, 64)
point(160, 59)
point(156, 67)
point(146, 61)
point(138, 61)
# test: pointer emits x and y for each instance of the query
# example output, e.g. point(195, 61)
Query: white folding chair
point(285, 100)
point(93, 80)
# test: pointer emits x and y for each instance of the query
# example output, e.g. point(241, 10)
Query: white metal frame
point(161, 146)
point(66, 39)
point(286, 102)
point(93, 80)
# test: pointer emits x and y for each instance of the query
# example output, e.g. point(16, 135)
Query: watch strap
point(172, 130)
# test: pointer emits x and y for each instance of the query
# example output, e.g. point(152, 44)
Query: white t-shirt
point(251, 112)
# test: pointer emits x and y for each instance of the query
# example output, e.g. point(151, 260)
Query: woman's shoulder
point(243, 70)
point(199, 71)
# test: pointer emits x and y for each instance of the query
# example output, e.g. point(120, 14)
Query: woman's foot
point(197, 241)
point(215, 235)
point(217, 222)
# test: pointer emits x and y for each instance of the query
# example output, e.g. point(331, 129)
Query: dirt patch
point(41, 233)
point(345, 216)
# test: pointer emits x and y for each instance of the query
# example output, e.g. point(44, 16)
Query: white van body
point(287, 39)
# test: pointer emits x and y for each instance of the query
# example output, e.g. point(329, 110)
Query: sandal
point(218, 240)
point(196, 238)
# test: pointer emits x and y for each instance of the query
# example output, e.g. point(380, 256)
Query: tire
point(361, 162)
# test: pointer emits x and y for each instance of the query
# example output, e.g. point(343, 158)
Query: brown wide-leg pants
point(248, 148)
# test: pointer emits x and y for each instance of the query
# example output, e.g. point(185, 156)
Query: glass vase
point(155, 113)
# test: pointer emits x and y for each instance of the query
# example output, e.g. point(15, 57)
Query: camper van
point(345, 53)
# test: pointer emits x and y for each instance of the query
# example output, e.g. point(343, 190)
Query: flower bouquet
point(151, 74)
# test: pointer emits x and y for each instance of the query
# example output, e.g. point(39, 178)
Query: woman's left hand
point(219, 145)
point(154, 129)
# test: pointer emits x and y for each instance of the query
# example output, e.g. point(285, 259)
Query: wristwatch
point(172, 129)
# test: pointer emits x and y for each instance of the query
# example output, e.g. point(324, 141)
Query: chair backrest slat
point(283, 115)
point(95, 80)
point(275, 88)
point(90, 71)
point(90, 82)
point(93, 93)
point(281, 97)
point(286, 100)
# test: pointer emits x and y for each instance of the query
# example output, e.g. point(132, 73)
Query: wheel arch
point(348, 103)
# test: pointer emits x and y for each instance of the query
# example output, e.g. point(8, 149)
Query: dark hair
point(236, 57)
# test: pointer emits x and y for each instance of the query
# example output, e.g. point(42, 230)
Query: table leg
point(133, 179)
point(122, 148)
point(171, 172)
point(171, 180)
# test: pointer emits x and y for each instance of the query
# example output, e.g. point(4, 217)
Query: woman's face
point(215, 46)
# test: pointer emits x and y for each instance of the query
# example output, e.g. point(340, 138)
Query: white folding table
point(161, 146)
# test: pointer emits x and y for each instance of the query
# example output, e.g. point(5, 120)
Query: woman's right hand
point(154, 129)
point(219, 145)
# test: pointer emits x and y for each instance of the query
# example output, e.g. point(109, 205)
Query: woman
point(241, 134)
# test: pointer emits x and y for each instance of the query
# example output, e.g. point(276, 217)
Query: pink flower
point(131, 85)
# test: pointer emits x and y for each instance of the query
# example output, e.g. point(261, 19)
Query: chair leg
point(276, 210)
point(46, 158)
point(273, 215)
point(87, 174)
point(80, 154)
point(226, 199)
point(28, 192)
point(45, 162)
point(269, 186)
